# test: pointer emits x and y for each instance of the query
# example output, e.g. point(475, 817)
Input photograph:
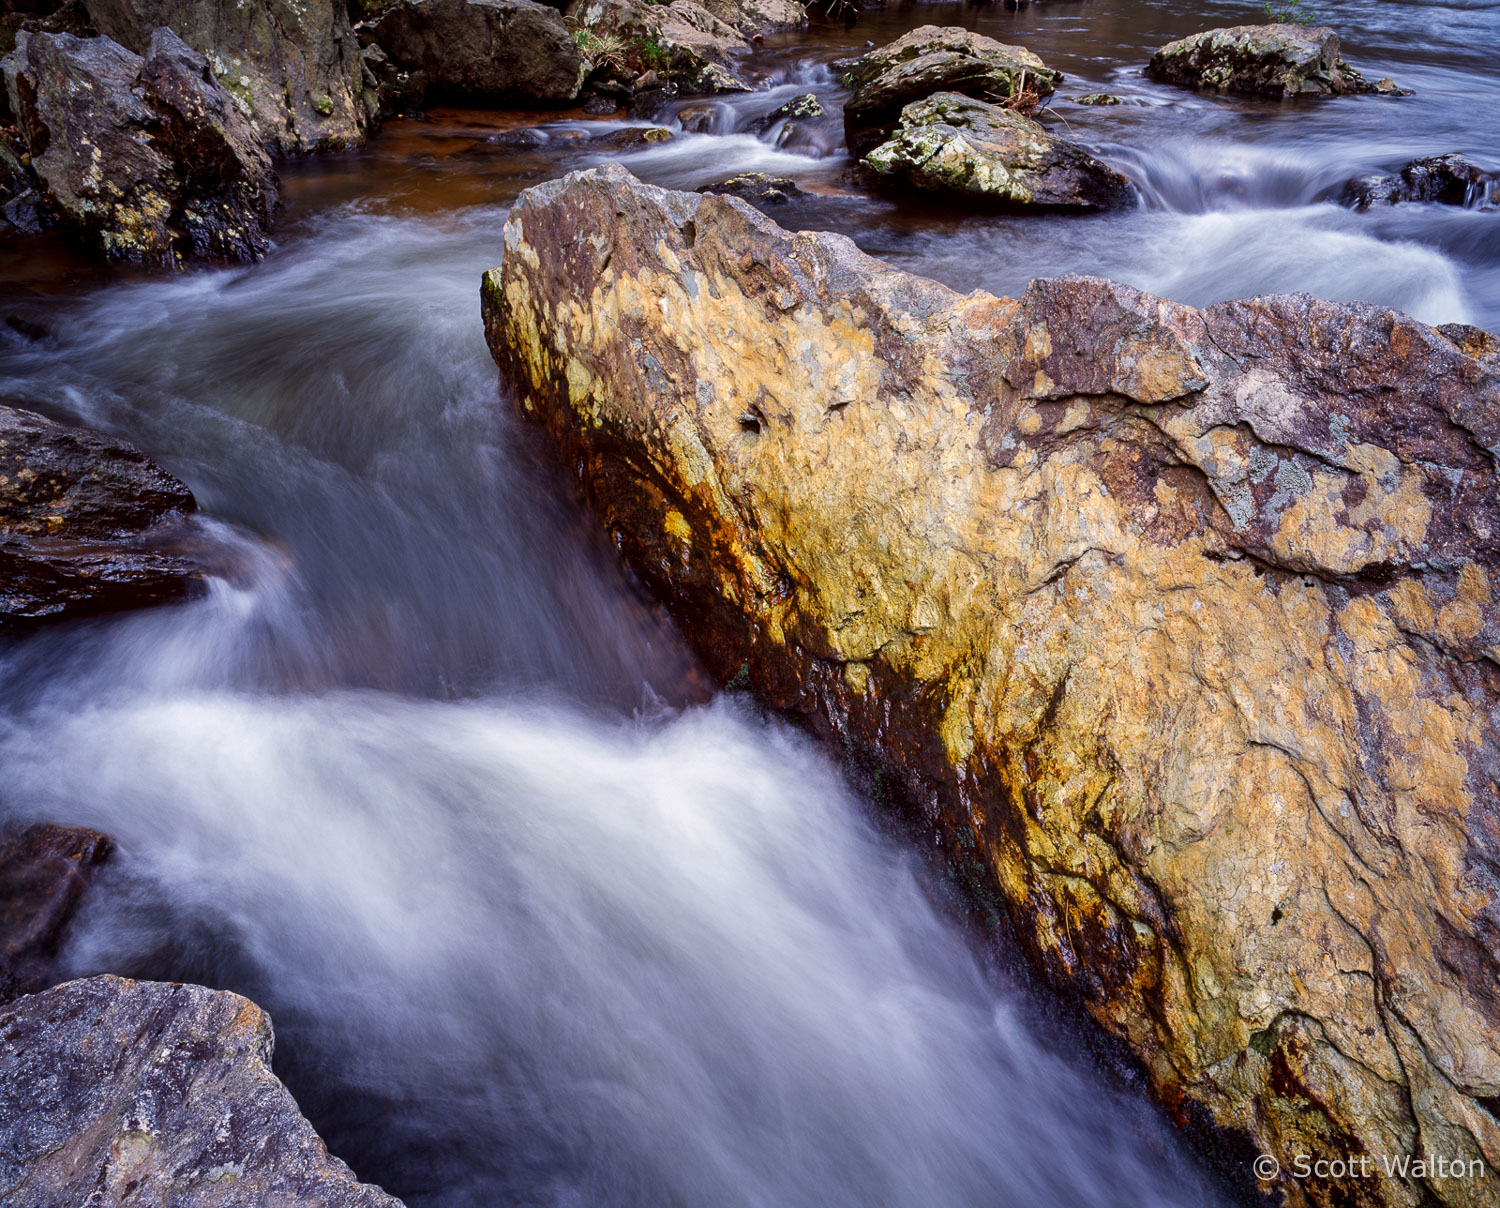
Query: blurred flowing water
point(539, 919)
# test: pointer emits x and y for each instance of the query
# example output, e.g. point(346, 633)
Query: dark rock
point(483, 52)
point(20, 194)
point(601, 106)
point(294, 66)
point(1445, 179)
point(44, 871)
point(698, 118)
point(756, 188)
point(1272, 60)
point(806, 105)
point(87, 524)
point(753, 17)
point(145, 160)
point(123, 1092)
point(963, 148)
point(633, 136)
point(935, 59)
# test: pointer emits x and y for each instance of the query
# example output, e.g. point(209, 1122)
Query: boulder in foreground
point(1184, 622)
point(958, 147)
point(145, 160)
point(87, 524)
point(123, 1092)
point(1272, 60)
point(933, 59)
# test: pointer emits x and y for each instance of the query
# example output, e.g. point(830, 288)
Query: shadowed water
point(539, 921)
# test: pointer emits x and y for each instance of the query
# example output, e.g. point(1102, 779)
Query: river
point(542, 920)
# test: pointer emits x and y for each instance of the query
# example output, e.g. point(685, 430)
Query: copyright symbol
point(1266, 1167)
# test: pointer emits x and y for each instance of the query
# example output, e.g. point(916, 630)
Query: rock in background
point(961, 148)
point(115, 1091)
point(293, 66)
point(146, 160)
point(934, 59)
point(1273, 60)
point(87, 524)
point(481, 52)
point(1185, 621)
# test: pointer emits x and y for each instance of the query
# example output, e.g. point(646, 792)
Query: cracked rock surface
point(1187, 616)
point(123, 1092)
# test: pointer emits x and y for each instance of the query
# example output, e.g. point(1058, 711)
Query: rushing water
point(539, 920)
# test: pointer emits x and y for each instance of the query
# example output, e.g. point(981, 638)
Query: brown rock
point(1187, 616)
point(87, 524)
point(44, 871)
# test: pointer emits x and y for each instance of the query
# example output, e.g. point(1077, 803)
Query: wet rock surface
point(934, 59)
point(1184, 620)
point(294, 66)
point(756, 188)
point(146, 160)
point(44, 873)
point(1273, 60)
point(115, 1091)
point(87, 524)
point(1444, 179)
point(482, 52)
point(957, 147)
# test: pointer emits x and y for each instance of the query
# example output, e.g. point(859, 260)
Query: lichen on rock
point(956, 146)
point(1188, 617)
point(1273, 60)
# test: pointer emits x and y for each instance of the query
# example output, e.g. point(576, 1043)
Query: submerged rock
point(87, 524)
point(293, 66)
point(953, 145)
point(1444, 179)
point(483, 52)
point(124, 1092)
point(1273, 60)
point(44, 871)
point(1184, 622)
point(935, 59)
point(144, 159)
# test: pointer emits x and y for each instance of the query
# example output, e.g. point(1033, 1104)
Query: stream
point(541, 919)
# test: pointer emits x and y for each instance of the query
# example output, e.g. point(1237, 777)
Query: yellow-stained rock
point(1187, 617)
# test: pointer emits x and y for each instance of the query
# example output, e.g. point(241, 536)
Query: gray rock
point(935, 59)
point(963, 148)
point(679, 46)
point(87, 524)
point(115, 1091)
point(1273, 60)
point(294, 66)
point(145, 160)
point(483, 51)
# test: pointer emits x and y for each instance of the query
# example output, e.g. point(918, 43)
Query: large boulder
point(146, 160)
point(483, 52)
point(124, 1092)
point(1181, 623)
point(87, 524)
point(933, 59)
point(1274, 60)
point(294, 66)
point(44, 872)
point(957, 147)
point(759, 16)
point(683, 45)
